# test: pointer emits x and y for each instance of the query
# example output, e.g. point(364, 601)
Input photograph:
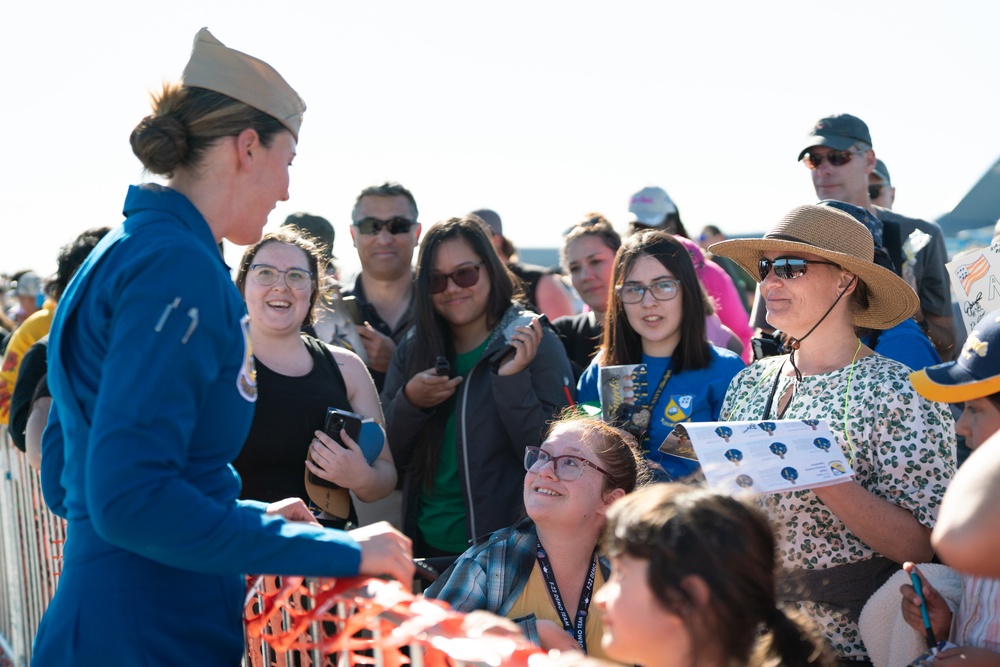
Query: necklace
point(782, 411)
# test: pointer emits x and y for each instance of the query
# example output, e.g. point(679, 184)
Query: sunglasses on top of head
point(372, 226)
point(465, 276)
point(787, 268)
point(836, 158)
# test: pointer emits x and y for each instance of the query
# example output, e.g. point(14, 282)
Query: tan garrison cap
point(216, 67)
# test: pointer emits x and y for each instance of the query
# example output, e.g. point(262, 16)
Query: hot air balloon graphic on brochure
point(791, 474)
point(837, 468)
point(779, 449)
point(744, 481)
point(811, 422)
point(768, 427)
point(734, 455)
point(724, 432)
point(822, 443)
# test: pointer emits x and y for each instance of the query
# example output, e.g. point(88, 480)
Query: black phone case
point(335, 421)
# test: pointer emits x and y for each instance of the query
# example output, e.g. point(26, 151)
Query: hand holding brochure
point(762, 457)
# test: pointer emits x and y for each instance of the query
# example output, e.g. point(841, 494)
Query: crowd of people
point(197, 427)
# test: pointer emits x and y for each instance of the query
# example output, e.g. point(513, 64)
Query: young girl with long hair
point(692, 584)
point(656, 316)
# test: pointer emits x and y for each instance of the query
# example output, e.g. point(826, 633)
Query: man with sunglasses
point(880, 189)
point(385, 232)
point(840, 158)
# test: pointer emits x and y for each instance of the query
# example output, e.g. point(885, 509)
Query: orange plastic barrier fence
point(365, 621)
point(290, 621)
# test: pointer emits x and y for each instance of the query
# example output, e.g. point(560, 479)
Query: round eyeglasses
point(266, 275)
point(567, 467)
point(663, 290)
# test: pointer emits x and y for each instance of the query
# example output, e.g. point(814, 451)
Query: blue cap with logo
point(976, 372)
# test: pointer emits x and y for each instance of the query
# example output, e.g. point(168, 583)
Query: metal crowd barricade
point(31, 540)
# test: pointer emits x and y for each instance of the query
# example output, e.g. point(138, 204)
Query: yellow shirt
point(33, 328)
point(535, 599)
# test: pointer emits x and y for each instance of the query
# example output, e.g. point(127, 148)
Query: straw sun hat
point(839, 238)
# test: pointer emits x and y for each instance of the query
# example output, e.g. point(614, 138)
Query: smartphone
point(338, 420)
point(442, 366)
point(353, 309)
point(520, 321)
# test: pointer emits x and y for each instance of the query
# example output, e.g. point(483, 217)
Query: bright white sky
point(540, 110)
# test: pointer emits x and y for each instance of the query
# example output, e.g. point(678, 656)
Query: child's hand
point(937, 608)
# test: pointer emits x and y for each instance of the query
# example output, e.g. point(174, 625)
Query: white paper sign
point(975, 280)
point(763, 457)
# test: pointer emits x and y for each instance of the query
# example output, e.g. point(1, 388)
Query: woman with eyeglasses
point(543, 571)
point(298, 378)
point(838, 543)
point(656, 316)
point(153, 391)
point(473, 384)
point(587, 255)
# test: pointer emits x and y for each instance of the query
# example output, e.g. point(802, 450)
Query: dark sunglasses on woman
point(465, 276)
point(787, 268)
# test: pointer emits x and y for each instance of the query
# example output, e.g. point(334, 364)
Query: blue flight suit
point(153, 387)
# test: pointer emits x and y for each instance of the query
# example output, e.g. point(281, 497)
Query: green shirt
point(441, 512)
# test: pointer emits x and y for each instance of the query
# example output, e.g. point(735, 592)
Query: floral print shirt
point(900, 445)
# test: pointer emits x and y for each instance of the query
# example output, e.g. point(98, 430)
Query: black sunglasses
point(372, 226)
point(836, 158)
point(465, 276)
point(786, 268)
point(875, 190)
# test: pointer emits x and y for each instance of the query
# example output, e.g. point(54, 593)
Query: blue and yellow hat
point(976, 372)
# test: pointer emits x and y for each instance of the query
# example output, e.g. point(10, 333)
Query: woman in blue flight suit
point(153, 387)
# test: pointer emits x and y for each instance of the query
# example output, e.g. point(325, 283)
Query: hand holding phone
point(442, 366)
point(342, 420)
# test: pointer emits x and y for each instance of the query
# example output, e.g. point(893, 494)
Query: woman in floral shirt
point(838, 543)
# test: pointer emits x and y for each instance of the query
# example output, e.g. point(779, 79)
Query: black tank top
point(288, 411)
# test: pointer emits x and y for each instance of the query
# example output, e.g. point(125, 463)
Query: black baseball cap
point(839, 132)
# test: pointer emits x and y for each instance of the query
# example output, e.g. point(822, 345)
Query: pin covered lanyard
point(644, 417)
point(578, 629)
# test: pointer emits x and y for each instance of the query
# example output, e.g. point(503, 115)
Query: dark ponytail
point(690, 533)
point(790, 640)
